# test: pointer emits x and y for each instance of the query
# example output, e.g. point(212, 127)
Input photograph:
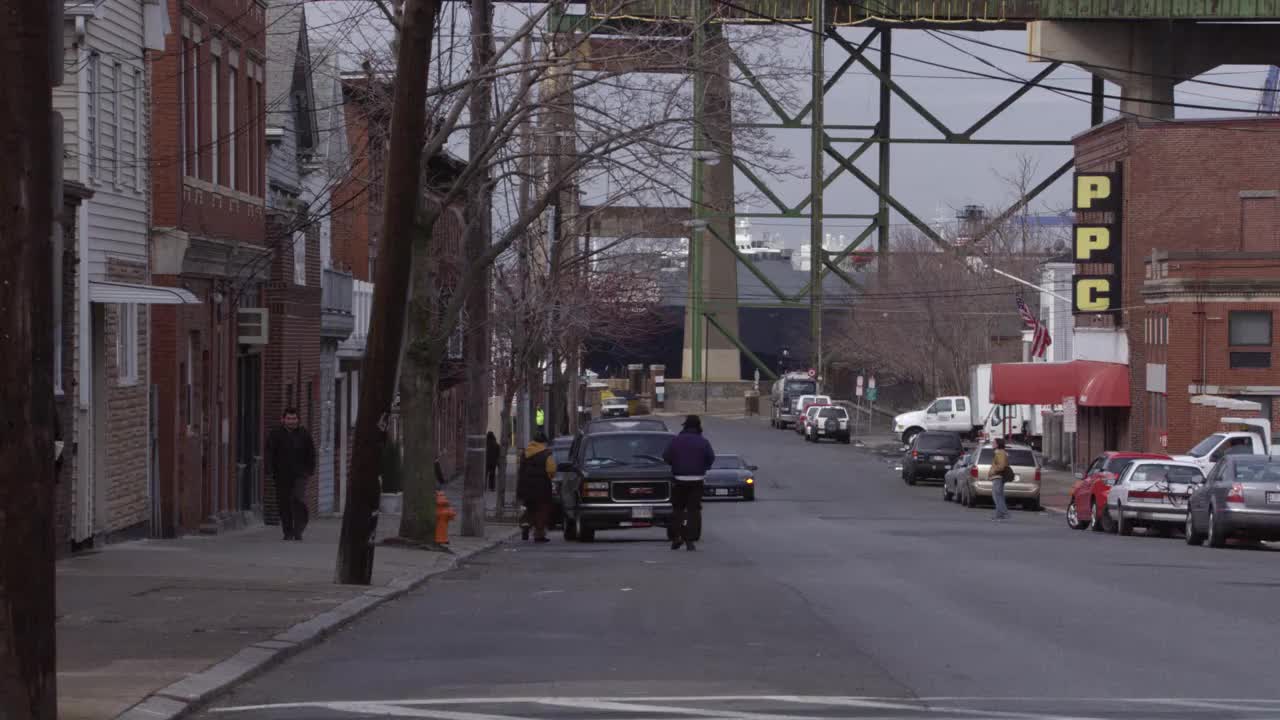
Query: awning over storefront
point(1093, 384)
point(123, 293)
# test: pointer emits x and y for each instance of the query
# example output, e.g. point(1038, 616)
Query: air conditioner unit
point(253, 326)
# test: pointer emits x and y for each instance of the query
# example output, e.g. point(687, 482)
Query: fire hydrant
point(444, 513)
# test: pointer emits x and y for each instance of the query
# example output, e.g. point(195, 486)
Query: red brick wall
point(291, 369)
point(1182, 192)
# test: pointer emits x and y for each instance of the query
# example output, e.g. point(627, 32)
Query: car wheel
point(1073, 516)
point(1124, 526)
point(909, 435)
point(570, 529)
point(1095, 521)
point(1032, 505)
point(909, 477)
point(966, 497)
point(946, 494)
point(1193, 537)
point(750, 494)
point(1217, 534)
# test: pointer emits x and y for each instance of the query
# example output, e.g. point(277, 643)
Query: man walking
point(690, 456)
point(999, 473)
point(533, 487)
point(291, 460)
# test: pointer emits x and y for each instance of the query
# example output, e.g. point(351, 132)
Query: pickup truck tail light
point(1237, 493)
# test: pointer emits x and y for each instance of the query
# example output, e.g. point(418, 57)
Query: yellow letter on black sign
point(1096, 244)
point(1093, 293)
point(1097, 192)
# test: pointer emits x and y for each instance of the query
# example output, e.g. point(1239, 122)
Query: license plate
point(1273, 498)
point(722, 491)
point(939, 458)
point(822, 432)
point(643, 513)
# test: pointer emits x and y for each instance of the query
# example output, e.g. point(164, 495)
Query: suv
point(614, 407)
point(830, 423)
point(616, 480)
point(930, 456)
point(1025, 488)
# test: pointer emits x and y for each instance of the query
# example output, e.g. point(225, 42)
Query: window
point(127, 343)
point(1250, 328)
point(193, 107)
point(940, 407)
point(233, 129)
point(182, 105)
point(188, 378)
point(139, 134)
point(215, 67)
point(961, 405)
point(299, 257)
point(117, 71)
point(94, 84)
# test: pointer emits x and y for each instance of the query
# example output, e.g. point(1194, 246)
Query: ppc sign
point(1097, 244)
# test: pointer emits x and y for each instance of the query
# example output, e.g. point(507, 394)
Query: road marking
point(930, 708)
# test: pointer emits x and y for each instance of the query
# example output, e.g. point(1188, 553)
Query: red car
point(1088, 505)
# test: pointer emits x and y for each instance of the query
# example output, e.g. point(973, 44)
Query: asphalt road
point(840, 592)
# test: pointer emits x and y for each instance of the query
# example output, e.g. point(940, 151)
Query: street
point(840, 592)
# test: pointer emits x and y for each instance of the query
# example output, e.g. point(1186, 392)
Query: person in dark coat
point(690, 456)
point(533, 488)
point(491, 452)
point(290, 461)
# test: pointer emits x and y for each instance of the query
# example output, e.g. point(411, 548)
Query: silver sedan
point(1240, 498)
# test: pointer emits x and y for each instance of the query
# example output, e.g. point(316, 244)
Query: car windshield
point(631, 424)
point(938, 441)
point(833, 412)
point(1206, 445)
point(615, 401)
point(1160, 474)
point(727, 462)
point(1117, 465)
point(800, 387)
point(1020, 457)
point(626, 449)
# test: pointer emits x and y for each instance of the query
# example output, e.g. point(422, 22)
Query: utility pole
point(524, 423)
point(476, 325)
point(391, 291)
point(28, 185)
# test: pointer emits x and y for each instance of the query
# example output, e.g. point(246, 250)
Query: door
point(248, 431)
point(1084, 494)
point(938, 415)
point(960, 420)
point(90, 439)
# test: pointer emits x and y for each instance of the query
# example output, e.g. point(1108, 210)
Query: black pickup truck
point(615, 480)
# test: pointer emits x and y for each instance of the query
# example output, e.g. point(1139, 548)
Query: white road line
point(930, 709)
point(397, 710)
point(640, 705)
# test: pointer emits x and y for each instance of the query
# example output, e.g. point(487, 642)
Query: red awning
point(1093, 384)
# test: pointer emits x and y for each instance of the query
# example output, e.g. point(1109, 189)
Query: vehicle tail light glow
point(973, 472)
point(914, 454)
point(1237, 493)
point(1037, 475)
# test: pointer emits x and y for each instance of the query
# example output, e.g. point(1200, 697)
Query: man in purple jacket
point(690, 457)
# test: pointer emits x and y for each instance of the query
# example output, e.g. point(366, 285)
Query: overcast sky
point(931, 180)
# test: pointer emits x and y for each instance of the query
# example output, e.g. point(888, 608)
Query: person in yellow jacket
point(533, 488)
point(999, 474)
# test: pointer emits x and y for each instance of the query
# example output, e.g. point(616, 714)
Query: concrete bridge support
point(1147, 59)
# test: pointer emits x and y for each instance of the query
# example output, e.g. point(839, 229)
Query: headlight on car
point(751, 481)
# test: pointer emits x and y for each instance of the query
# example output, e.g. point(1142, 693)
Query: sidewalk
point(172, 622)
point(1055, 488)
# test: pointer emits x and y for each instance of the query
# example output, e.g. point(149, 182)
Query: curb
point(194, 691)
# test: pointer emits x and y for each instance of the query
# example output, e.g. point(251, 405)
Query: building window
point(193, 108)
point(93, 85)
point(232, 129)
point(182, 105)
point(139, 133)
point(1250, 328)
point(299, 257)
point(188, 380)
point(215, 66)
point(117, 71)
point(127, 343)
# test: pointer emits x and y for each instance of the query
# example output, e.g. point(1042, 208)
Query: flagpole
point(1019, 280)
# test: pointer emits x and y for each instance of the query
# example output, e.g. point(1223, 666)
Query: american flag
point(1040, 340)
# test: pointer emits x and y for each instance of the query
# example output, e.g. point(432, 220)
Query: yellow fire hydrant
point(444, 513)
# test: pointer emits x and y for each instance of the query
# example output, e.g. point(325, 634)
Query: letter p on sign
point(1097, 192)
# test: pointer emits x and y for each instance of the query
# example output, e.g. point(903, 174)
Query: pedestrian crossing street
point(767, 707)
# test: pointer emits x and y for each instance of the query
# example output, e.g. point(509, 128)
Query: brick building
point(208, 238)
point(1195, 248)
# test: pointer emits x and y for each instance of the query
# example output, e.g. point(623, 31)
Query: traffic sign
point(872, 393)
point(871, 382)
point(859, 386)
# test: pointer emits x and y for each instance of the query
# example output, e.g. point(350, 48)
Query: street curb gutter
point(192, 692)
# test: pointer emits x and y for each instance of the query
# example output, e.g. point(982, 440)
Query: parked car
point(957, 475)
point(930, 455)
point(616, 480)
point(1240, 498)
point(802, 425)
point(1088, 498)
point(830, 423)
point(730, 477)
point(1152, 494)
point(1025, 488)
point(803, 405)
point(614, 407)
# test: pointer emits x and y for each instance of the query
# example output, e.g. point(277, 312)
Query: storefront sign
point(1097, 244)
point(1068, 414)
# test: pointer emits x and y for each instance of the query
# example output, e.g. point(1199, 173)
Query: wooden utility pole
point(479, 222)
point(391, 289)
point(28, 688)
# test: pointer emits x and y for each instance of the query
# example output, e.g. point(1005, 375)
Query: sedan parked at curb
point(1153, 494)
point(730, 477)
point(957, 476)
point(930, 455)
point(1239, 499)
point(1088, 498)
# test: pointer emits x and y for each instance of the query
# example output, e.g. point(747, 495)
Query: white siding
point(66, 100)
point(117, 222)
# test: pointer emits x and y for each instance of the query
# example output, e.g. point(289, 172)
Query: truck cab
point(1253, 437)
point(948, 414)
point(786, 390)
